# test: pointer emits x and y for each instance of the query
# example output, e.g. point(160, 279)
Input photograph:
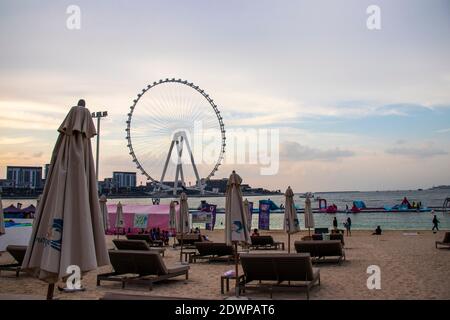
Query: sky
point(354, 108)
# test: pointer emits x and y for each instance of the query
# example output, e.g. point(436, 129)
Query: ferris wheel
point(176, 135)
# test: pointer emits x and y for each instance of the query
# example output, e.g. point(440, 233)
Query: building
point(24, 177)
point(124, 179)
point(217, 185)
point(5, 183)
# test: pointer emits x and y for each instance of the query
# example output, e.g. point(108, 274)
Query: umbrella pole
point(181, 251)
point(50, 290)
point(236, 274)
point(289, 243)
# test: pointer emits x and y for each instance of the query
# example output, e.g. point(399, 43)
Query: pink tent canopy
point(137, 217)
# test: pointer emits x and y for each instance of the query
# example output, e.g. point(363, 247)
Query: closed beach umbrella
point(172, 216)
point(291, 224)
point(104, 212)
point(68, 230)
point(249, 215)
point(309, 218)
point(2, 218)
point(172, 219)
point(184, 214)
point(235, 219)
point(183, 223)
point(119, 218)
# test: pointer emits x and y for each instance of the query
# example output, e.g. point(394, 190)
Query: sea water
point(360, 221)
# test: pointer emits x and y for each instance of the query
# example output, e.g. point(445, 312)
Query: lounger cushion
point(137, 262)
point(214, 249)
point(324, 248)
point(277, 267)
point(122, 244)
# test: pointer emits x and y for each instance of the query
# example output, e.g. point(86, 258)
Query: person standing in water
point(335, 223)
point(348, 226)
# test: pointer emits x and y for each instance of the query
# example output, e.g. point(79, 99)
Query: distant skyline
point(356, 109)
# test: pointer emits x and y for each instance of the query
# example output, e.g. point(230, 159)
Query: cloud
point(15, 140)
point(427, 151)
point(443, 130)
point(294, 151)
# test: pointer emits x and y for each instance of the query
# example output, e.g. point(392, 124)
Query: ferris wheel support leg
point(180, 153)
point(167, 161)
point(193, 164)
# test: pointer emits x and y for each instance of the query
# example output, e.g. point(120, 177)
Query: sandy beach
point(411, 268)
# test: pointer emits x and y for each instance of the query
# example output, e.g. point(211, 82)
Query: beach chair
point(189, 240)
point(265, 243)
point(147, 238)
point(213, 251)
point(321, 251)
point(139, 245)
point(321, 230)
point(445, 242)
point(142, 267)
point(18, 253)
point(337, 236)
point(278, 270)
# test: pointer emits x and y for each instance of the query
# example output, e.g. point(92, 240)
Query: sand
point(411, 268)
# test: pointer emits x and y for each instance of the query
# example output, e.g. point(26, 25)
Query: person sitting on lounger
point(377, 231)
point(255, 233)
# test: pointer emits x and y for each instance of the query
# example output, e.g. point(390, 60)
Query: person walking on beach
point(435, 224)
point(348, 226)
point(335, 223)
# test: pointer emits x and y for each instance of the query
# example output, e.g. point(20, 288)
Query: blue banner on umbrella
point(211, 208)
point(264, 216)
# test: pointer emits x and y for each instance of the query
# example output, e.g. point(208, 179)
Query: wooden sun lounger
point(139, 245)
point(142, 267)
point(189, 240)
point(147, 238)
point(445, 242)
point(278, 270)
point(18, 253)
point(265, 243)
point(213, 251)
point(321, 250)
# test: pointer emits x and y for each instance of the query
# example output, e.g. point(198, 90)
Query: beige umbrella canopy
point(291, 224)
point(2, 218)
point(183, 221)
point(104, 212)
point(235, 219)
point(38, 201)
point(309, 218)
point(235, 215)
point(68, 229)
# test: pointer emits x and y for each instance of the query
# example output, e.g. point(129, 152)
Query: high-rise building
point(24, 177)
point(124, 179)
